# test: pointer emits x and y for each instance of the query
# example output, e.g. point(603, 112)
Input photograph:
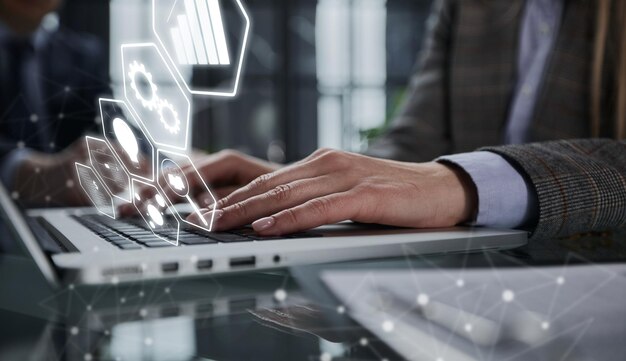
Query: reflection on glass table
point(254, 317)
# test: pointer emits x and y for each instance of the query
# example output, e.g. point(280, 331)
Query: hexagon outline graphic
point(129, 200)
point(240, 61)
point(176, 218)
point(167, 154)
point(140, 128)
point(80, 181)
point(187, 130)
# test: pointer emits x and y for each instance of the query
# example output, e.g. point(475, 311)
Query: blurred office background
point(319, 73)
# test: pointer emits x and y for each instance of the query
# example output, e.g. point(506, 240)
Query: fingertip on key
point(264, 224)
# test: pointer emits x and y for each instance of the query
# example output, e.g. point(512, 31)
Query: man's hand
point(332, 186)
point(224, 172)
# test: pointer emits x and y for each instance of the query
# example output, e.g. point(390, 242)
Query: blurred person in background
point(51, 81)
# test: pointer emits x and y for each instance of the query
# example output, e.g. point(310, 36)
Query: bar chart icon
point(199, 37)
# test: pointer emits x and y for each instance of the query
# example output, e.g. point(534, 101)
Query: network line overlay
point(141, 159)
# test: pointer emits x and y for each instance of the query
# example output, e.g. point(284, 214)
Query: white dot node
point(15, 195)
point(508, 296)
point(89, 308)
point(88, 357)
point(460, 283)
point(148, 341)
point(107, 332)
point(422, 299)
point(326, 357)
point(560, 280)
point(37, 170)
point(123, 300)
point(545, 325)
point(341, 310)
point(67, 89)
point(388, 326)
point(143, 312)
point(70, 286)
point(141, 294)
point(167, 290)
point(61, 115)
point(74, 330)
point(115, 280)
point(52, 145)
point(363, 341)
point(69, 183)
point(34, 118)
point(280, 295)
point(468, 327)
point(21, 144)
point(48, 198)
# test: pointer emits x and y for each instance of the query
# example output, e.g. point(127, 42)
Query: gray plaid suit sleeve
point(580, 184)
point(420, 131)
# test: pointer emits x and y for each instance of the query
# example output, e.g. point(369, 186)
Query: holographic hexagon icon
point(109, 169)
point(155, 212)
point(127, 139)
point(156, 97)
point(175, 184)
point(206, 38)
point(95, 190)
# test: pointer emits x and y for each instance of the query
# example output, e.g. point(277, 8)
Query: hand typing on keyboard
point(329, 187)
point(332, 186)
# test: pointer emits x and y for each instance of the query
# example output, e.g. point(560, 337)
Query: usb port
point(204, 265)
point(242, 262)
point(171, 267)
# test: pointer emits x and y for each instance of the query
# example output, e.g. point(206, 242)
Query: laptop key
point(305, 235)
point(197, 241)
point(228, 237)
point(129, 246)
point(158, 244)
point(268, 238)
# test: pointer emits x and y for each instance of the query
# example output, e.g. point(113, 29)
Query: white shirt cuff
point(505, 199)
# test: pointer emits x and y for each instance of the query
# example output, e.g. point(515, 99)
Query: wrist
point(463, 196)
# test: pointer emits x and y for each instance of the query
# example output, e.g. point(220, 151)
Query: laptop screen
point(9, 238)
point(17, 238)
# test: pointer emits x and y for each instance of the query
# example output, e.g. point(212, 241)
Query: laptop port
point(204, 265)
point(241, 262)
point(277, 259)
point(170, 267)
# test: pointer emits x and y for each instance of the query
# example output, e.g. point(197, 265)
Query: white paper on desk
point(565, 313)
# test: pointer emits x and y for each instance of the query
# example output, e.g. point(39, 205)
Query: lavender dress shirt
point(505, 198)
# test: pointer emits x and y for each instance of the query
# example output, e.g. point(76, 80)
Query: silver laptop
point(81, 246)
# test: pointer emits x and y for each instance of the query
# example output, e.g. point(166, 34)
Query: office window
point(318, 73)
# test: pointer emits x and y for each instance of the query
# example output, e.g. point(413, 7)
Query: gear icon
point(169, 117)
point(138, 72)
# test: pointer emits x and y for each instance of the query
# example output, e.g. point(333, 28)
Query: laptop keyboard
point(132, 234)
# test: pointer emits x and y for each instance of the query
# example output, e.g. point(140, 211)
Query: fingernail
point(264, 224)
point(218, 213)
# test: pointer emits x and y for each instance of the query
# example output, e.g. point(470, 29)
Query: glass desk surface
point(282, 315)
